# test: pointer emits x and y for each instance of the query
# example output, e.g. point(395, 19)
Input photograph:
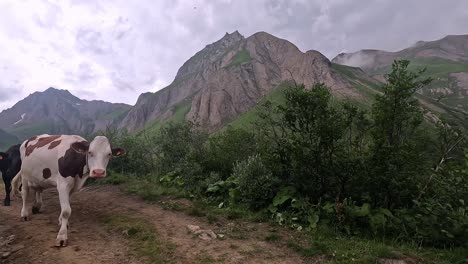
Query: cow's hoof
point(61, 243)
point(6, 203)
point(35, 210)
point(25, 218)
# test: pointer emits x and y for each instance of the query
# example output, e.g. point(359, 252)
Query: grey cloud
point(82, 94)
point(121, 84)
point(85, 74)
point(121, 48)
point(89, 40)
point(8, 93)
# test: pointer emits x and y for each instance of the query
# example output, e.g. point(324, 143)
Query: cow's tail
point(16, 184)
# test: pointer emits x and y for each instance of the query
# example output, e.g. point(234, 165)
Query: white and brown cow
point(64, 162)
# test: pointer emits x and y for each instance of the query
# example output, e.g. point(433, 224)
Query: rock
point(16, 248)
point(7, 241)
point(193, 228)
point(202, 234)
point(216, 89)
point(6, 255)
point(206, 234)
point(11, 238)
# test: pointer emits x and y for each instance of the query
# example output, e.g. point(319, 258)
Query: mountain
point(58, 111)
point(230, 76)
point(6, 140)
point(446, 60)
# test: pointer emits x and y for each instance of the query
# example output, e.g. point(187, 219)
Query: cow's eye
point(110, 154)
point(90, 153)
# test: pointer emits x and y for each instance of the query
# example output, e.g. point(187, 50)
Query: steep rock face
point(231, 75)
point(58, 111)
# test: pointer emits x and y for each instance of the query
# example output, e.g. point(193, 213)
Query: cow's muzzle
point(98, 173)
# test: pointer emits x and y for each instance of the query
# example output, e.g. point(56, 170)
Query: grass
point(179, 111)
point(26, 131)
point(250, 117)
point(336, 247)
point(348, 249)
point(241, 57)
point(272, 237)
point(113, 115)
point(143, 237)
point(7, 140)
point(365, 87)
point(436, 67)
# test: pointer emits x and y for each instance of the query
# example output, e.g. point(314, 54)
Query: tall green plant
point(398, 159)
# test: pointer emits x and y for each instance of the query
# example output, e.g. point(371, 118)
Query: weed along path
point(107, 226)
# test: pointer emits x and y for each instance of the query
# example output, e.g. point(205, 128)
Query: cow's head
point(98, 153)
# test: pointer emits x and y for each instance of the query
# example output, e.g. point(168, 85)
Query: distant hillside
point(58, 111)
point(6, 140)
point(229, 77)
point(446, 61)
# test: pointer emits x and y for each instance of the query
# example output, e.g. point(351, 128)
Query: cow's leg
point(64, 188)
point(37, 203)
point(7, 182)
point(26, 192)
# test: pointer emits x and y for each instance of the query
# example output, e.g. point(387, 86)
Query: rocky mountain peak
point(212, 52)
point(58, 111)
point(229, 39)
point(229, 77)
point(56, 93)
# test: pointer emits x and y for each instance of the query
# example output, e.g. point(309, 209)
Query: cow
point(64, 162)
point(10, 164)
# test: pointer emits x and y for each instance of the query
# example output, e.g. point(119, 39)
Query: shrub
point(225, 149)
point(256, 185)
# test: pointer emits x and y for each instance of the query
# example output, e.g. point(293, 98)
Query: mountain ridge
point(58, 111)
point(446, 60)
point(229, 76)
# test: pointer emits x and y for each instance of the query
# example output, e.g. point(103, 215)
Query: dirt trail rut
point(90, 241)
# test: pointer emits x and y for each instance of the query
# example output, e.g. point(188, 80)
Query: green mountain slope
point(6, 140)
point(445, 60)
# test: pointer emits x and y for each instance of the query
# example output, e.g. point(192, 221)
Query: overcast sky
point(114, 50)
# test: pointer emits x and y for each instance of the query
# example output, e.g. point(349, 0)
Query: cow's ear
point(117, 152)
point(80, 147)
point(3, 156)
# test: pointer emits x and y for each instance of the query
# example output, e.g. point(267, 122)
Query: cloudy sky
point(116, 49)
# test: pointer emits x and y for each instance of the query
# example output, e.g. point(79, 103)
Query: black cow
point(10, 165)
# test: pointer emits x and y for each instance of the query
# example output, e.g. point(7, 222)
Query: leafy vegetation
point(241, 57)
point(444, 89)
point(314, 163)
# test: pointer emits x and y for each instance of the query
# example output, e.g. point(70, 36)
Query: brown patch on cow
point(46, 173)
point(72, 163)
point(54, 144)
point(29, 140)
point(40, 143)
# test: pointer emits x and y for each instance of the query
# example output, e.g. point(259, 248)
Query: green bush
point(224, 149)
point(434, 223)
point(315, 161)
point(256, 185)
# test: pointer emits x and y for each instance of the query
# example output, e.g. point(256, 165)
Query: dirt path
point(91, 241)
